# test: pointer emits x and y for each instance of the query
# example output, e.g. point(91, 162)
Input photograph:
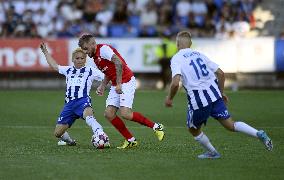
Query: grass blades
point(28, 149)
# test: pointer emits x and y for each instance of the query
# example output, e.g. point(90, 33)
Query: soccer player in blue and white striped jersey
point(79, 79)
point(203, 81)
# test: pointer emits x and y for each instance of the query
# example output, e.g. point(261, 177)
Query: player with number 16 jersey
point(203, 81)
point(198, 78)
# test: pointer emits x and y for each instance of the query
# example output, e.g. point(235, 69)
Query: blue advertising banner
point(279, 55)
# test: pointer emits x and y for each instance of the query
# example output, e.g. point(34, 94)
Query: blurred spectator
point(19, 32)
point(200, 10)
point(165, 18)
point(241, 26)
point(69, 11)
point(133, 8)
point(226, 11)
point(65, 33)
point(164, 53)
point(183, 7)
point(192, 25)
point(30, 28)
point(125, 18)
point(149, 19)
point(90, 9)
point(166, 13)
point(211, 8)
point(50, 7)
point(104, 16)
point(33, 5)
point(55, 26)
point(41, 17)
point(120, 13)
point(101, 30)
point(281, 35)
point(223, 23)
point(20, 6)
point(208, 29)
point(11, 23)
point(2, 13)
point(222, 34)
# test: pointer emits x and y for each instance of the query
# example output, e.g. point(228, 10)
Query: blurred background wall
point(245, 37)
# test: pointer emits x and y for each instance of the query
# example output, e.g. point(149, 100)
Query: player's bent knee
point(109, 116)
point(228, 124)
point(88, 111)
point(126, 115)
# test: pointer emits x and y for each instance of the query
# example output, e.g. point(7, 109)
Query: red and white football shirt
point(102, 59)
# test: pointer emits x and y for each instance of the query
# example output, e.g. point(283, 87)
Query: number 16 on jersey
point(200, 67)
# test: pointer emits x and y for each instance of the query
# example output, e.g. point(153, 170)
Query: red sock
point(137, 117)
point(120, 126)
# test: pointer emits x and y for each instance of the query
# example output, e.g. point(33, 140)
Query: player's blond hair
point(184, 34)
point(184, 39)
point(78, 50)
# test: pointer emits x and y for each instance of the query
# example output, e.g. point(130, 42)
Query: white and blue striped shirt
point(198, 77)
point(79, 81)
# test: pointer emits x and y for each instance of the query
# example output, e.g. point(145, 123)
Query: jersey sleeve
point(211, 65)
point(175, 66)
point(106, 52)
point(97, 74)
point(63, 69)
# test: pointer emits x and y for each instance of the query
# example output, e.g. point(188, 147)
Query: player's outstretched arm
point(100, 90)
point(52, 63)
point(173, 90)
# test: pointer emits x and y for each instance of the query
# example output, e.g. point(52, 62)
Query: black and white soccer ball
point(100, 141)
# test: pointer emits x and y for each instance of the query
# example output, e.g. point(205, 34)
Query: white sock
point(204, 141)
point(156, 125)
point(93, 123)
point(65, 137)
point(244, 128)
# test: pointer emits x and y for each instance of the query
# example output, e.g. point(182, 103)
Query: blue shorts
point(73, 110)
point(217, 110)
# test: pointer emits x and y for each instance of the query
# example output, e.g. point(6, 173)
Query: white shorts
point(125, 99)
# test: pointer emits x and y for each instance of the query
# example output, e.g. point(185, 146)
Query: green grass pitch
point(28, 149)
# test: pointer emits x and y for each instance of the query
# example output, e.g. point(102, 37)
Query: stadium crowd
point(125, 18)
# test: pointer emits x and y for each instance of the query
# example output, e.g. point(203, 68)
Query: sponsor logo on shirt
point(104, 69)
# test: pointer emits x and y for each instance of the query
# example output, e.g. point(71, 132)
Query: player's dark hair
point(84, 39)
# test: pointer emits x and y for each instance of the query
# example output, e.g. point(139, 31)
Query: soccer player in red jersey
point(123, 86)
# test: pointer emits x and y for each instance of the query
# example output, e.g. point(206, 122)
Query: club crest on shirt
point(81, 75)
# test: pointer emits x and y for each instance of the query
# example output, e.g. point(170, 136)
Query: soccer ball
point(100, 141)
